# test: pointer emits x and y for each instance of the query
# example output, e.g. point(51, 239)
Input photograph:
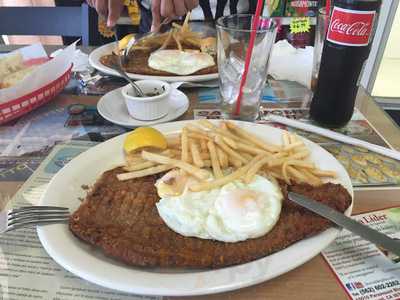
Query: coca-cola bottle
point(346, 47)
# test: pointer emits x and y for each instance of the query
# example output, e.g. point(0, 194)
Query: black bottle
point(346, 47)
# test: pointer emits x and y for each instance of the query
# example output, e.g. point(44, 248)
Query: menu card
point(364, 270)
point(26, 270)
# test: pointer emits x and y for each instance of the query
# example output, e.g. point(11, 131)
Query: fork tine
point(12, 215)
point(30, 208)
point(37, 218)
point(36, 222)
point(33, 215)
point(30, 217)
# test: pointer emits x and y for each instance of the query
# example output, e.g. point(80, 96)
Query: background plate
point(94, 60)
point(80, 258)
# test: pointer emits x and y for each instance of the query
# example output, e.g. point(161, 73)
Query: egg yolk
point(239, 201)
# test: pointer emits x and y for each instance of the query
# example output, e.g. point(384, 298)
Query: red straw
point(328, 7)
point(327, 13)
point(254, 27)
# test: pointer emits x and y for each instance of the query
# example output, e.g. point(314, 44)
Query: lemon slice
point(144, 137)
point(125, 40)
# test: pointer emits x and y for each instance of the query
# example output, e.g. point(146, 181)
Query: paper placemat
point(364, 270)
point(27, 272)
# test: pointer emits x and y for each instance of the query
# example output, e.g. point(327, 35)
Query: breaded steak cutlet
point(121, 218)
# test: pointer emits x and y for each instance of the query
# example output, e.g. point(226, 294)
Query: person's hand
point(110, 9)
point(170, 9)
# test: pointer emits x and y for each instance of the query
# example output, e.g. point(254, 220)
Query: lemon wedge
point(144, 137)
point(125, 40)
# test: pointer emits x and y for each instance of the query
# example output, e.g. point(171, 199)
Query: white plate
point(112, 108)
point(94, 60)
point(80, 258)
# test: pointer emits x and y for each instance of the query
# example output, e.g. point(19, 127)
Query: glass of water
point(320, 33)
point(233, 40)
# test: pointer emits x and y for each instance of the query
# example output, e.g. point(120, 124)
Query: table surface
point(313, 280)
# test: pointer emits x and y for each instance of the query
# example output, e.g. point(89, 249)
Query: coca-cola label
point(350, 27)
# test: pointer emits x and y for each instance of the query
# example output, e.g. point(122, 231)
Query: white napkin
point(41, 76)
point(80, 60)
point(289, 63)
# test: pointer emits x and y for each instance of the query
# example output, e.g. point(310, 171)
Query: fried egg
point(180, 62)
point(235, 212)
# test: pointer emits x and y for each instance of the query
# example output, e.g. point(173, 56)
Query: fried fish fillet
point(121, 218)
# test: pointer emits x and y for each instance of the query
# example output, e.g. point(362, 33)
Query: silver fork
point(120, 70)
point(32, 215)
point(135, 41)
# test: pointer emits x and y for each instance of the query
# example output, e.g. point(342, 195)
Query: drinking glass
point(320, 33)
point(233, 40)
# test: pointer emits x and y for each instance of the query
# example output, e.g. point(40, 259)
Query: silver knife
point(340, 219)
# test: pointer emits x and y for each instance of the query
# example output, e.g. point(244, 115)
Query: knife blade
point(340, 219)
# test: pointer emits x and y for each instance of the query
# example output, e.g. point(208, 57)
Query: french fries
point(203, 146)
point(164, 160)
point(198, 136)
point(223, 126)
point(194, 128)
point(285, 139)
point(230, 153)
point(285, 173)
point(220, 142)
point(144, 172)
point(136, 162)
point(303, 153)
point(206, 123)
point(194, 149)
point(209, 185)
point(223, 158)
point(252, 138)
point(301, 163)
point(250, 149)
point(231, 143)
point(293, 138)
point(232, 161)
point(173, 141)
point(185, 145)
point(139, 166)
point(323, 173)
point(214, 160)
point(290, 147)
point(311, 178)
point(258, 164)
point(133, 158)
point(246, 155)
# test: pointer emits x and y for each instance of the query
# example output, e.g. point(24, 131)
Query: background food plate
point(94, 60)
point(65, 189)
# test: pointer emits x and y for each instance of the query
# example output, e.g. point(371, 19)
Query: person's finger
point(101, 7)
point(114, 11)
point(190, 4)
point(156, 14)
point(167, 8)
point(90, 3)
point(179, 7)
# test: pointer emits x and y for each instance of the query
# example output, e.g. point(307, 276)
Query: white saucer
point(112, 108)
